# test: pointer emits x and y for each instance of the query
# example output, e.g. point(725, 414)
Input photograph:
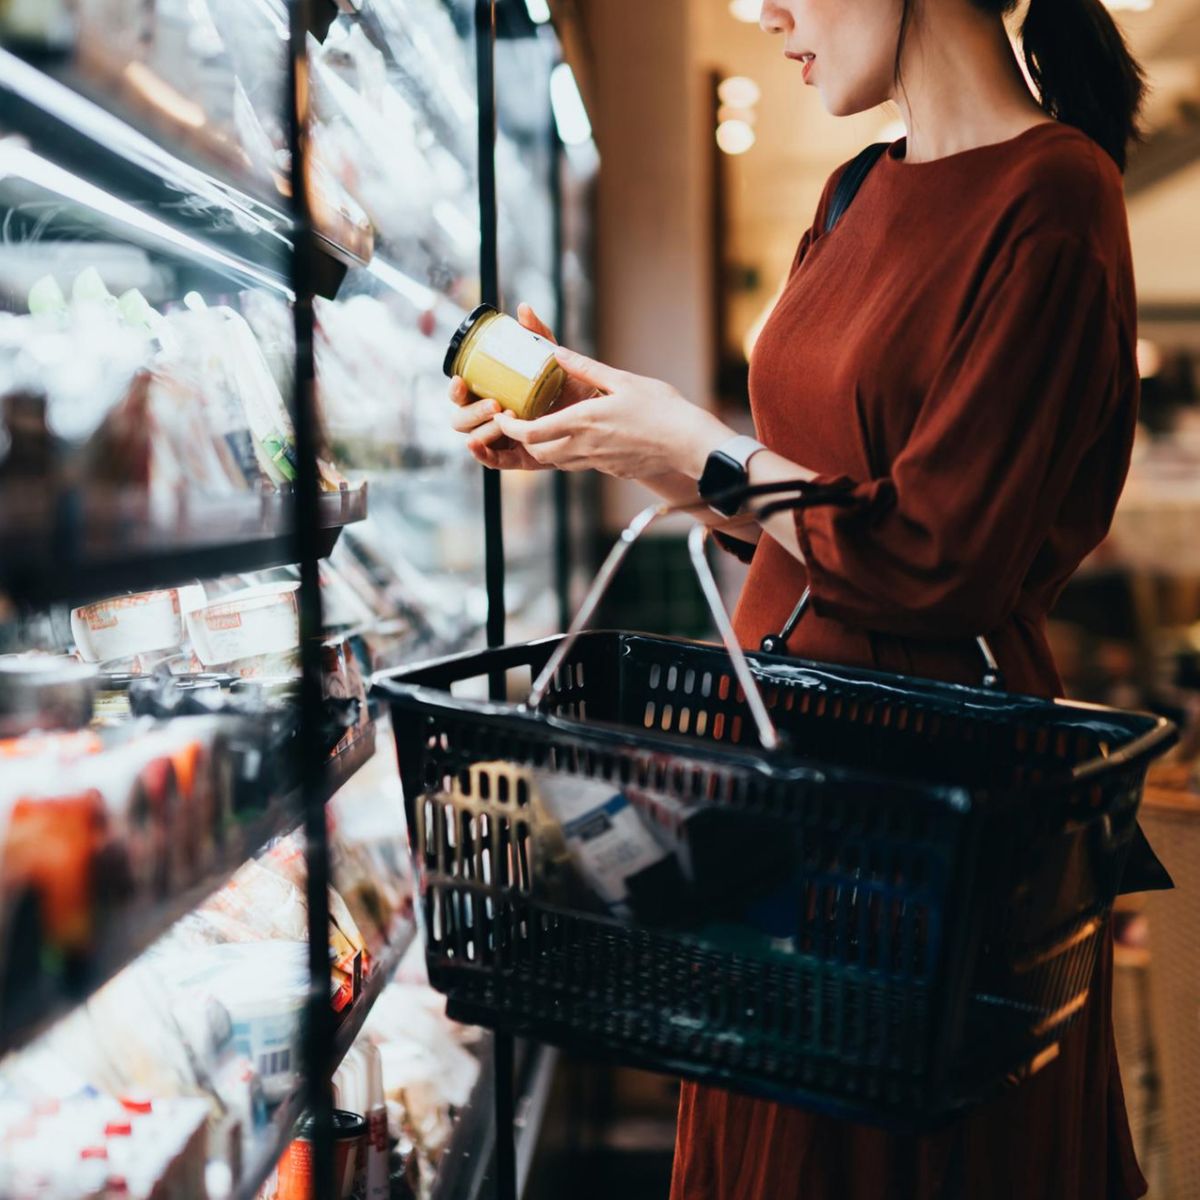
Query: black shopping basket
point(884, 915)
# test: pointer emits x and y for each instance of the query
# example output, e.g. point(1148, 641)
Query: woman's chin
point(843, 104)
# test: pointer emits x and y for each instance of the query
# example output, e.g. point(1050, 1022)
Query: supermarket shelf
point(143, 925)
point(275, 1137)
point(234, 219)
point(412, 72)
point(532, 1099)
point(76, 545)
point(466, 1165)
point(228, 231)
point(466, 1169)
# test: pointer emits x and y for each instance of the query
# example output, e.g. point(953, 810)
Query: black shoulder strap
point(851, 180)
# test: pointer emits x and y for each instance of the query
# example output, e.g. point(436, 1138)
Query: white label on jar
point(515, 347)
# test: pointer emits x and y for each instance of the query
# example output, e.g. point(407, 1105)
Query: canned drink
point(295, 1170)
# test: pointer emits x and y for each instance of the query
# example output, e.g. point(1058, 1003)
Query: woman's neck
point(960, 85)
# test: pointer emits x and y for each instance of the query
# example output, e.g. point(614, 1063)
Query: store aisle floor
point(607, 1133)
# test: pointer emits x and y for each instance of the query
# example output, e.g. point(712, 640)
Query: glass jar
point(501, 360)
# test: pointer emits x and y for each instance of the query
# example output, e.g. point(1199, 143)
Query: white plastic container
point(253, 622)
point(123, 626)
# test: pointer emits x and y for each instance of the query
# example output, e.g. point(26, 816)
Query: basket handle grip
point(776, 643)
point(768, 735)
point(809, 495)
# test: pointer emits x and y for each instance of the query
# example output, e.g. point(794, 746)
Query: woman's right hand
point(475, 417)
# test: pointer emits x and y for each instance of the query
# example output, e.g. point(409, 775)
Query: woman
point(960, 348)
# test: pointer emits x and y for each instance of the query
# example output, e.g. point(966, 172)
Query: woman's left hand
point(637, 428)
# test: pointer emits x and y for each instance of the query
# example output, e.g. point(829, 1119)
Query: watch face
point(721, 474)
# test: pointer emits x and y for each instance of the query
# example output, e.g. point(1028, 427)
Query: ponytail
point(1083, 70)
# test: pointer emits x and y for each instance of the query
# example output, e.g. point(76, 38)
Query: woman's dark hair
point(1080, 63)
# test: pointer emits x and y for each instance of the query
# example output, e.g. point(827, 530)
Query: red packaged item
point(295, 1170)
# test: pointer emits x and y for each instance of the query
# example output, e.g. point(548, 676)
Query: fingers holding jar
point(472, 413)
point(531, 321)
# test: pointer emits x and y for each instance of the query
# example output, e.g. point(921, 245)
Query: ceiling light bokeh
point(746, 10)
point(570, 115)
point(735, 137)
point(739, 91)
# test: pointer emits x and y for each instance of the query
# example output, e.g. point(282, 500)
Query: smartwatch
point(725, 470)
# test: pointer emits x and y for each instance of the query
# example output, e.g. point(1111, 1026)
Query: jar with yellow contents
point(499, 359)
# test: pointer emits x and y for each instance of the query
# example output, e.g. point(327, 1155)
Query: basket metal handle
point(776, 643)
point(768, 735)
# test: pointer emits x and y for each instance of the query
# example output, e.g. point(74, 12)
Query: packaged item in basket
point(607, 840)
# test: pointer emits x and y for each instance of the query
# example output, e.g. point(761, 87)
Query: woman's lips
point(807, 58)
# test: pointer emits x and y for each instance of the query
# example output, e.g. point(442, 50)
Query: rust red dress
point(962, 347)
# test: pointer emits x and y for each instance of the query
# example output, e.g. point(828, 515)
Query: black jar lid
point(346, 1125)
point(460, 335)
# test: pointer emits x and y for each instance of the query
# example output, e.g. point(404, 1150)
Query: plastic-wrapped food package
point(217, 344)
point(361, 340)
point(368, 847)
point(270, 318)
point(95, 1146)
point(255, 904)
point(200, 353)
point(263, 985)
point(132, 397)
point(426, 1070)
point(75, 390)
point(354, 115)
point(348, 948)
point(140, 1038)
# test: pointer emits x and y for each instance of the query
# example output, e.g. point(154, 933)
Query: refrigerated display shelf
point(411, 71)
point(80, 117)
point(278, 1133)
point(143, 925)
point(78, 545)
point(229, 229)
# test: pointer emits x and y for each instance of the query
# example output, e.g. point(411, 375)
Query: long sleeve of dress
point(741, 549)
point(940, 546)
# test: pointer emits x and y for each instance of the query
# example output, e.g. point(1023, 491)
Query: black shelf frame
point(140, 928)
point(78, 545)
